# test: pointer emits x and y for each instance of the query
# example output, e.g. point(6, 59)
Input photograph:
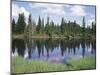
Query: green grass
point(83, 63)
point(19, 65)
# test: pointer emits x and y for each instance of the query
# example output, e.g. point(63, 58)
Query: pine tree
point(30, 25)
point(21, 24)
point(47, 26)
point(42, 26)
point(93, 28)
point(83, 24)
point(38, 28)
point(13, 26)
point(62, 25)
point(33, 26)
point(83, 27)
point(74, 28)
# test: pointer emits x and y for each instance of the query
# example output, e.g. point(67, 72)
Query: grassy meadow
point(20, 65)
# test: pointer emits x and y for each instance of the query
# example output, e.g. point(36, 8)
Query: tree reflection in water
point(53, 48)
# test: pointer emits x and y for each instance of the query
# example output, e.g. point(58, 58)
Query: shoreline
point(21, 36)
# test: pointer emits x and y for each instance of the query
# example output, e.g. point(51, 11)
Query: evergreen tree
point(38, 28)
point(33, 27)
point(30, 25)
point(93, 28)
point(47, 26)
point(42, 26)
point(83, 28)
point(74, 28)
point(21, 24)
point(13, 26)
point(62, 25)
point(74, 23)
point(83, 24)
point(67, 29)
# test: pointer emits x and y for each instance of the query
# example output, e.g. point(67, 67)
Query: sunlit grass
point(83, 63)
point(20, 65)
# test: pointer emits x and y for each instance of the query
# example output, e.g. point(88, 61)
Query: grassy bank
point(19, 65)
point(83, 63)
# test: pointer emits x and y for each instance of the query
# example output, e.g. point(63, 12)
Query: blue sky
point(54, 11)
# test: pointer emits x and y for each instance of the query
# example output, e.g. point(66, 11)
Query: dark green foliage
point(20, 24)
point(30, 26)
point(93, 28)
point(13, 26)
point(42, 26)
point(64, 30)
point(47, 26)
point(62, 25)
point(38, 28)
point(83, 25)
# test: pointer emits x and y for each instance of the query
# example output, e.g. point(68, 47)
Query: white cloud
point(55, 9)
point(16, 10)
point(46, 5)
point(77, 10)
point(58, 9)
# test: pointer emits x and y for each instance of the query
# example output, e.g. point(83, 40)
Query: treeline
point(49, 28)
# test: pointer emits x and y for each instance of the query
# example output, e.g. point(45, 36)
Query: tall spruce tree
point(13, 26)
point(42, 26)
point(83, 27)
point(62, 25)
point(21, 24)
point(30, 25)
point(47, 26)
point(83, 24)
point(33, 26)
point(93, 28)
point(38, 28)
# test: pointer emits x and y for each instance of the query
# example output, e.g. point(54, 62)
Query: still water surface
point(53, 50)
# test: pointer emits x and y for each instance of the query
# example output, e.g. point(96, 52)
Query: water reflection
point(53, 49)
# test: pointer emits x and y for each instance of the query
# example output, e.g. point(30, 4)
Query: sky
point(54, 11)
